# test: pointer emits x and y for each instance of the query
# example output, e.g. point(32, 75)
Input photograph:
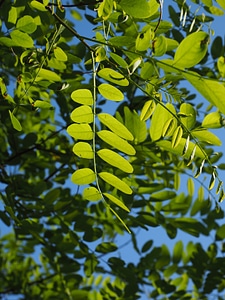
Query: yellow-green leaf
point(159, 45)
point(117, 142)
point(116, 160)
point(113, 76)
point(82, 96)
point(15, 122)
point(37, 5)
point(191, 50)
point(21, 39)
point(42, 104)
point(207, 136)
point(92, 194)
point(147, 110)
point(80, 131)
point(212, 120)
point(110, 92)
point(82, 114)
point(143, 40)
point(116, 201)
point(221, 65)
point(188, 115)
point(169, 127)
point(141, 8)
point(60, 54)
point(116, 126)
point(115, 182)
point(83, 150)
point(177, 135)
point(26, 24)
point(48, 75)
point(83, 176)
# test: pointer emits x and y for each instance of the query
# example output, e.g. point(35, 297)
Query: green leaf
point(216, 11)
point(37, 5)
point(117, 142)
point(42, 104)
point(160, 117)
point(188, 115)
point(162, 196)
point(83, 176)
point(119, 60)
point(115, 182)
point(92, 194)
point(169, 127)
point(206, 136)
point(116, 126)
point(191, 50)
point(12, 17)
point(116, 160)
point(105, 9)
point(80, 131)
point(21, 39)
point(48, 75)
point(212, 120)
point(60, 54)
point(113, 76)
point(147, 70)
point(140, 9)
point(212, 90)
point(143, 40)
point(147, 110)
point(106, 247)
point(159, 45)
point(83, 150)
point(221, 66)
point(176, 138)
point(178, 252)
point(82, 114)
point(26, 24)
point(221, 3)
point(190, 187)
point(212, 181)
point(116, 201)
point(82, 96)
point(15, 122)
point(110, 92)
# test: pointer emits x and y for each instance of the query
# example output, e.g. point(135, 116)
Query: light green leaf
point(169, 127)
point(82, 114)
point(48, 75)
point(12, 17)
point(166, 145)
point(199, 170)
point(82, 96)
point(212, 120)
point(42, 104)
point(105, 9)
point(162, 196)
point(188, 115)
point(135, 125)
point(92, 194)
point(21, 39)
point(221, 66)
point(147, 110)
point(122, 41)
point(177, 135)
point(110, 92)
point(8, 42)
point(147, 70)
point(83, 150)
point(116, 201)
point(140, 9)
point(60, 54)
point(15, 122)
point(115, 182)
point(191, 50)
point(116, 160)
point(37, 5)
point(159, 45)
point(83, 176)
point(119, 60)
point(80, 131)
point(26, 24)
point(206, 136)
point(212, 181)
point(113, 76)
point(160, 117)
point(212, 90)
point(143, 40)
point(116, 126)
point(117, 142)
point(221, 3)
point(216, 11)
point(100, 54)
point(190, 187)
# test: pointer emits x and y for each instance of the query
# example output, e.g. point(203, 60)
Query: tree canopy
point(108, 115)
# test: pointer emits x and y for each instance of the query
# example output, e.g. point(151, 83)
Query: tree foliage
point(101, 94)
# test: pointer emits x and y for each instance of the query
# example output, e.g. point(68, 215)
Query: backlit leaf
point(21, 39)
point(147, 110)
point(116, 160)
point(116, 201)
point(83, 176)
point(15, 122)
point(26, 24)
point(82, 114)
point(140, 9)
point(82, 96)
point(119, 60)
point(212, 120)
point(212, 181)
point(80, 131)
point(42, 104)
point(191, 50)
point(115, 182)
point(113, 76)
point(48, 75)
point(83, 150)
point(206, 136)
point(92, 194)
point(110, 92)
point(60, 54)
point(116, 126)
point(106, 247)
point(117, 142)
point(177, 135)
point(188, 115)
point(143, 40)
